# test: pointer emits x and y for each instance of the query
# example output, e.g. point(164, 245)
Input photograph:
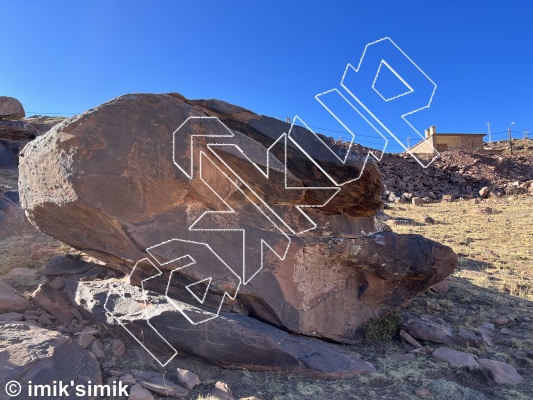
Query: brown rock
point(484, 192)
point(221, 391)
point(441, 287)
point(11, 108)
point(97, 348)
point(10, 301)
point(433, 329)
point(187, 378)
point(52, 301)
point(57, 283)
point(455, 358)
point(501, 372)
point(163, 387)
point(128, 379)
point(422, 392)
point(137, 392)
point(501, 320)
point(417, 201)
point(85, 340)
point(118, 348)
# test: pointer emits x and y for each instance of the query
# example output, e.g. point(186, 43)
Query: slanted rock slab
point(455, 358)
point(501, 372)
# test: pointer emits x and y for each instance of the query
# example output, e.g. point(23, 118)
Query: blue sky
point(271, 57)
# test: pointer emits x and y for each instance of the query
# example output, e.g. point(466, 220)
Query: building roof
point(460, 134)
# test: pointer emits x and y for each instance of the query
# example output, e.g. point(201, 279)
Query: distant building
point(448, 141)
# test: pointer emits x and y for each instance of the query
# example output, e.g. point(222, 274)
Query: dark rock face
point(105, 183)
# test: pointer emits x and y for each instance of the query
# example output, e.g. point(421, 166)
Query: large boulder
point(137, 178)
point(11, 108)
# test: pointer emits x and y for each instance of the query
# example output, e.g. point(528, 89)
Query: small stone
point(85, 340)
point(488, 326)
point(427, 219)
point(484, 192)
point(417, 201)
point(89, 331)
point(505, 331)
point(137, 392)
point(455, 358)
point(188, 378)
point(422, 392)
point(526, 319)
point(97, 348)
point(57, 283)
point(501, 372)
point(501, 320)
point(128, 379)
point(441, 287)
point(163, 387)
point(10, 301)
point(221, 391)
point(43, 319)
point(9, 317)
point(114, 372)
point(118, 348)
point(31, 317)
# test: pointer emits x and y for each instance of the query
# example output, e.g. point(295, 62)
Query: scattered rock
point(409, 339)
point(118, 348)
point(11, 316)
point(221, 391)
point(44, 319)
point(426, 219)
point(31, 353)
point(484, 192)
point(10, 301)
point(85, 340)
point(52, 301)
point(163, 387)
point(500, 320)
point(433, 329)
point(97, 348)
point(128, 379)
point(57, 283)
point(501, 372)
point(441, 287)
point(505, 331)
point(455, 358)
point(417, 201)
point(137, 392)
point(187, 378)
point(470, 337)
